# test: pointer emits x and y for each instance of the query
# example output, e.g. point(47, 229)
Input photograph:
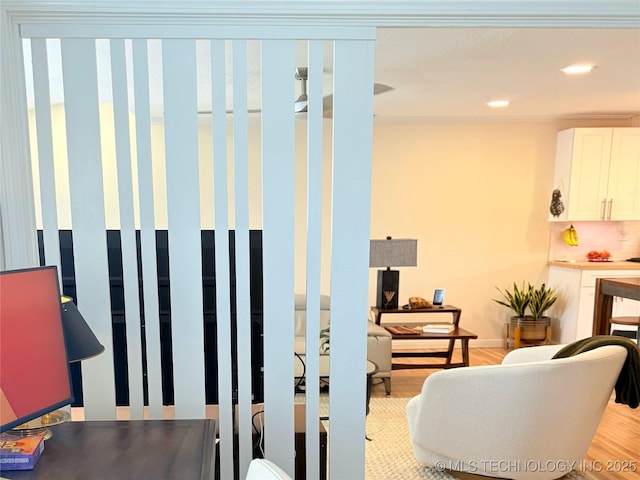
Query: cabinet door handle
point(609, 209)
point(602, 208)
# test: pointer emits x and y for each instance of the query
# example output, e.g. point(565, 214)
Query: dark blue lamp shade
point(80, 340)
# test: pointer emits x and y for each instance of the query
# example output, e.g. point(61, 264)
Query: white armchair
point(262, 469)
point(529, 418)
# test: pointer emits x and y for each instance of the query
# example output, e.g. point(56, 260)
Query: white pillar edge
point(18, 237)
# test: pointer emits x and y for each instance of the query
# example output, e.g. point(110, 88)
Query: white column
point(18, 239)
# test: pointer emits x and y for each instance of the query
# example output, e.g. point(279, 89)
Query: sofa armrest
point(375, 330)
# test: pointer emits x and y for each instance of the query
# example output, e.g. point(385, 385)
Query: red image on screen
point(34, 373)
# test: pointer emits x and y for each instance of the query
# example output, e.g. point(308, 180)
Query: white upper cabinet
point(598, 174)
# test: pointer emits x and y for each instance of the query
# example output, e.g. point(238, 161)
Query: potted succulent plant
point(537, 300)
point(541, 299)
point(516, 300)
point(324, 340)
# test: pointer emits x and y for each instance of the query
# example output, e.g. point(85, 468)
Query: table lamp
point(391, 253)
point(81, 344)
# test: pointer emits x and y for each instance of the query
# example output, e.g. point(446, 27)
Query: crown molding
point(378, 13)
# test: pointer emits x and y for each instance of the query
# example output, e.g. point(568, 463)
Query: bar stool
point(633, 321)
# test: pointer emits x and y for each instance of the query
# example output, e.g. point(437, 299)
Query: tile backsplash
point(621, 239)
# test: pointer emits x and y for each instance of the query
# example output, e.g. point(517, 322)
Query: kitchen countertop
point(621, 265)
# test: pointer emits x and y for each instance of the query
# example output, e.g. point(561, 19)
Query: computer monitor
point(34, 372)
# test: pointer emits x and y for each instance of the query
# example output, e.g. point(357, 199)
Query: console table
point(140, 449)
point(456, 334)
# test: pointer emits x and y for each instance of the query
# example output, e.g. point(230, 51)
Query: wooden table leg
point(452, 343)
point(516, 337)
point(465, 351)
point(602, 312)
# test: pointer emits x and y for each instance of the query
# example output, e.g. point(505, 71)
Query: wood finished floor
point(615, 448)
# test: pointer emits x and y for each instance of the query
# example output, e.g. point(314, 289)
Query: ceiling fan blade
point(327, 101)
point(379, 88)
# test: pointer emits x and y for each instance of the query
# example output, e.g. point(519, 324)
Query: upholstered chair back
point(300, 315)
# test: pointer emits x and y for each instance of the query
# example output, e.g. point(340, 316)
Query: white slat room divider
point(170, 180)
point(88, 219)
point(241, 203)
point(223, 287)
point(278, 247)
point(127, 227)
point(147, 226)
point(46, 169)
point(183, 208)
point(314, 253)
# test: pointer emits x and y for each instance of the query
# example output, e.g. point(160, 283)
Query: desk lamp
point(391, 253)
point(81, 344)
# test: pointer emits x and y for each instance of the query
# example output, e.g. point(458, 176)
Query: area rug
point(388, 453)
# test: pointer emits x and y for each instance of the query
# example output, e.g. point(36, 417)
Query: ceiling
point(452, 73)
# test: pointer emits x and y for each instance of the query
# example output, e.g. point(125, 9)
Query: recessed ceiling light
point(498, 103)
point(578, 69)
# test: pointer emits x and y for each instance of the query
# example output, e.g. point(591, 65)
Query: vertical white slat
point(278, 248)
point(48, 204)
point(221, 238)
point(314, 254)
point(147, 226)
point(183, 208)
point(352, 150)
point(127, 227)
point(88, 220)
point(18, 237)
point(243, 297)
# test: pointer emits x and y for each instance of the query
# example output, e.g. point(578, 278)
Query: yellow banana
point(570, 236)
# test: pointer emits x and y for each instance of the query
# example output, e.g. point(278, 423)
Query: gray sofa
point(378, 339)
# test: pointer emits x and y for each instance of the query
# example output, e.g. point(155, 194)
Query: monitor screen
point(34, 372)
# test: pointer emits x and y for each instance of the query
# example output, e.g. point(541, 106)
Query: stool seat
point(626, 320)
point(632, 321)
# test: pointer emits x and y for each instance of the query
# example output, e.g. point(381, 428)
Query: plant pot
point(530, 329)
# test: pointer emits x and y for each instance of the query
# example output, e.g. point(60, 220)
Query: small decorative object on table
point(419, 302)
point(388, 297)
point(595, 256)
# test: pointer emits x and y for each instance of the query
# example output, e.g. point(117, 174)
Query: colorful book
point(20, 453)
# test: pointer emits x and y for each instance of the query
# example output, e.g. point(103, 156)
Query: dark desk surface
point(122, 450)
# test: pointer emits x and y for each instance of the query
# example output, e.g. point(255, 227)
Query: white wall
point(476, 197)
point(474, 194)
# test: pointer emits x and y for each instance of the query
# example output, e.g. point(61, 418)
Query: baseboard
point(439, 344)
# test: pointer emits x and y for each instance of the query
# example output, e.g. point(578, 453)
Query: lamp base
point(40, 425)
point(387, 291)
